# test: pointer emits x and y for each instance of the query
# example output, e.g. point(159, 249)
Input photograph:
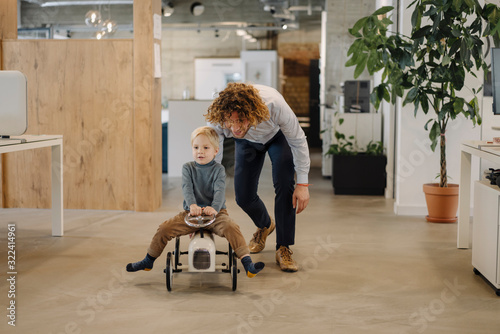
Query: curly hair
point(239, 97)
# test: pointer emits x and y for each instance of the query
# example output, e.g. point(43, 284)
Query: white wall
point(183, 118)
point(388, 113)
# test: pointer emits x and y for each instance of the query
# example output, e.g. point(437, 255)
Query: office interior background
point(368, 263)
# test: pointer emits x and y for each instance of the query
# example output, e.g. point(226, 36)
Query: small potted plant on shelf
point(355, 170)
point(428, 68)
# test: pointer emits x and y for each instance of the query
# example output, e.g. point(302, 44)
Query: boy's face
point(238, 126)
point(203, 150)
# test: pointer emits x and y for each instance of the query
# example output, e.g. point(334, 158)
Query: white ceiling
point(218, 14)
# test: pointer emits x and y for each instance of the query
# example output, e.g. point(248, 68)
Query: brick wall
point(294, 74)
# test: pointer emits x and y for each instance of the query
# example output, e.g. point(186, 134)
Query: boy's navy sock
point(251, 268)
point(146, 264)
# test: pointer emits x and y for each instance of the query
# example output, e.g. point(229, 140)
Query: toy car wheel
point(230, 256)
point(234, 273)
point(169, 271)
point(177, 252)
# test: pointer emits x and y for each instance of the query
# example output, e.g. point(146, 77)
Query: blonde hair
point(242, 98)
point(211, 134)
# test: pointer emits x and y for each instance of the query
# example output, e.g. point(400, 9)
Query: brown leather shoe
point(258, 241)
point(284, 259)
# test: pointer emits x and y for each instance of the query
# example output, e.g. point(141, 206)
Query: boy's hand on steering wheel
point(195, 210)
point(209, 211)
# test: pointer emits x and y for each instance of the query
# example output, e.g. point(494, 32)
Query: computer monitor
point(357, 96)
point(495, 78)
point(13, 103)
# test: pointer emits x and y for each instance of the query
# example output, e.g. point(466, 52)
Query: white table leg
point(463, 237)
point(57, 191)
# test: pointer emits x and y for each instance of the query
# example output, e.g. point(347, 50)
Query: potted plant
point(428, 68)
point(355, 170)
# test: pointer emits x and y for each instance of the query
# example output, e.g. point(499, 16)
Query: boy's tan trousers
point(223, 226)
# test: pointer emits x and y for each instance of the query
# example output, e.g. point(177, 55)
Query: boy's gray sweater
point(204, 185)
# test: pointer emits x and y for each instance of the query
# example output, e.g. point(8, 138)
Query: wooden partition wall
point(103, 98)
point(147, 107)
point(8, 30)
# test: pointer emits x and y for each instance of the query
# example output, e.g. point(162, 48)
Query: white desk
point(483, 150)
point(28, 142)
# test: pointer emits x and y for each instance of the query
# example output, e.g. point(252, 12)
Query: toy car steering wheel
point(199, 221)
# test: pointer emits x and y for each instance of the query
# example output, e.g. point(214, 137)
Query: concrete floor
point(363, 270)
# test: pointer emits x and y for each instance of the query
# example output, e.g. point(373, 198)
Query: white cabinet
point(486, 232)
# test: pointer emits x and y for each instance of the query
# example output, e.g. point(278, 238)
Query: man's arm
point(283, 115)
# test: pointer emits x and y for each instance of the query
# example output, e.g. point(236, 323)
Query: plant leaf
point(427, 124)
point(358, 25)
point(422, 32)
point(410, 97)
point(383, 10)
point(458, 105)
point(360, 67)
point(434, 134)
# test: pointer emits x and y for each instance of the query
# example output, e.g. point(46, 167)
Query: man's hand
point(300, 198)
point(195, 210)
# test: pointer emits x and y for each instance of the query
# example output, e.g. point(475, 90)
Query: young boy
point(203, 187)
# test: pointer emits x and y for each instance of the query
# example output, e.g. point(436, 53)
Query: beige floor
point(363, 270)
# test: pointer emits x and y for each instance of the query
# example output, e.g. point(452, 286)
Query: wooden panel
point(8, 19)
point(147, 109)
point(82, 89)
point(8, 30)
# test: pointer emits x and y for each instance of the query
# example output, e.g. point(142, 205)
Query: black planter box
point(359, 174)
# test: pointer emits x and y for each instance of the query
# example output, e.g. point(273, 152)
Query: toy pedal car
point(201, 253)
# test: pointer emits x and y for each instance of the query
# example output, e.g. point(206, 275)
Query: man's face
point(238, 126)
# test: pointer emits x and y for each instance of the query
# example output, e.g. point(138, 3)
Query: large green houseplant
point(429, 67)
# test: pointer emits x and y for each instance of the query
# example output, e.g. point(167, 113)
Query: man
point(260, 121)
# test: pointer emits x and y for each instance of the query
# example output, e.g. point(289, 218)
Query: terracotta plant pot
point(442, 203)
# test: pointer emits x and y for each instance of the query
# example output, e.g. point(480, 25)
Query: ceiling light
point(167, 9)
point(109, 26)
point(197, 8)
point(92, 18)
point(284, 26)
point(100, 34)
